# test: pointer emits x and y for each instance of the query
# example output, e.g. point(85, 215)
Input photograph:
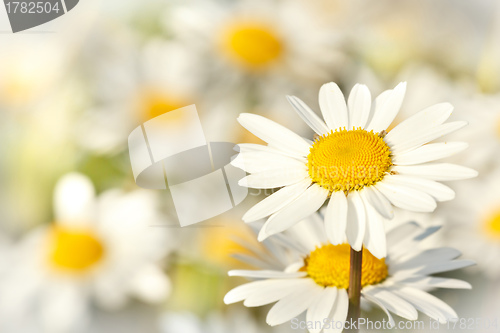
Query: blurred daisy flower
point(254, 47)
point(98, 249)
point(387, 41)
point(483, 114)
point(146, 81)
point(353, 163)
point(313, 276)
point(475, 224)
point(28, 77)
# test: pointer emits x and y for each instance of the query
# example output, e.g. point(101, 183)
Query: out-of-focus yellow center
point(154, 104)
point(220, 244)
point(498, 127)
point(329, 265)
point(254, 45)
point(492, 225)
point(348, 160)
point(74, 250)
point(18, 88)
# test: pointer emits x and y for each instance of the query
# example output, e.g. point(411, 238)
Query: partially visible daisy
point(483, 134)
point(255, 48)
point(315, 277)
point(29, 77)
point(353, 164)
point(475, 224)
point(144, 82)
point(97, 250)
point(386, 40)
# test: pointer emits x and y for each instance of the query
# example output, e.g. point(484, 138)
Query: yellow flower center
point(348, 160)
point(492, 225)
point(253, 45)
point(329, 265)
point(74, 250)
point(154, 104)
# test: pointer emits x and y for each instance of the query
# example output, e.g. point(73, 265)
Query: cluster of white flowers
point(362, 169)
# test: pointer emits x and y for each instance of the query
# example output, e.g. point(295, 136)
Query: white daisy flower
point(255, 47)
point(353, 164)
point(312, 275)
point(97, 250)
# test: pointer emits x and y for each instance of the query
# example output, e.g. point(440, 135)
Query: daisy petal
point(428, 304)
point(59, 298)
point(374, 240)
point(253, 162)
point(274, 134)
point(336, 218)
point(412, 142)
point(306, 204)
point(151, 285)
point(430, 282)
point(429, 152)
point(253, 147)
point(74, 200)
point(359, 104)
point(430, 256)
point(308, 116)
point(255, 262)
point(387, 108)
point(276, 201)
point(394, 303)
point(263, 274)
point(377, 302)
point(380, 100)
point(406, 237)
point(426, 261)
point(430, 117)
point(321, 308)
point(356, 220)
point(445, 267)
point(293, 304)
point(406, 197)
point(333, 106)
point(274, 178)
point(308, 233)
point(374, 198)
point(339, 313)
point(436, 190)
point(279, 289)
point(398, 235)
point(437, 171)
point(267, 296)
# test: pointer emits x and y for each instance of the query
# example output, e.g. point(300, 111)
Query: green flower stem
point(355, 287)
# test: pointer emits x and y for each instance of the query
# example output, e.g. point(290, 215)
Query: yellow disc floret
point(348, 160)
point(253, 45)
point(74, 250)
point(153, 104)
point(492, 225)
point(329, 265)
